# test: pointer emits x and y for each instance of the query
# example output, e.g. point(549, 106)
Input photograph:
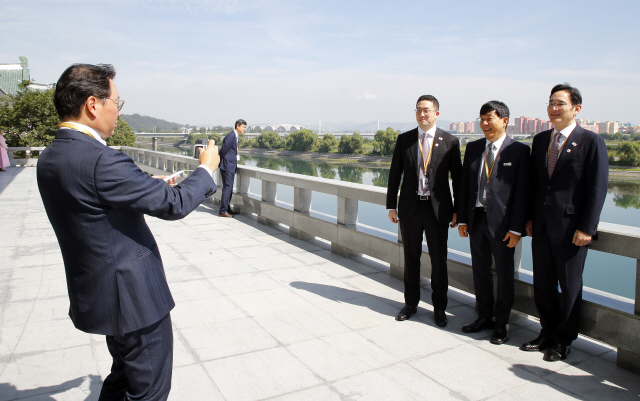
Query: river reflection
point(605, 272)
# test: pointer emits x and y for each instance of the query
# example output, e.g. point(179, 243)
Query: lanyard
point(75, 127)
point(486, 164)
point(426, 162)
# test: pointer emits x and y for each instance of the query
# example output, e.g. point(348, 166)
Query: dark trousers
point(423, 221)
point(142, 364)
point(553, 264)
point(484, 247)
point(227, 189)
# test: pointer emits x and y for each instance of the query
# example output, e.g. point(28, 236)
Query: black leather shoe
point(557, 352)
point(440, 317)
point(406, 312)
point(500, 334)
point(479, 325)
point(231, 212)
point(538, 344)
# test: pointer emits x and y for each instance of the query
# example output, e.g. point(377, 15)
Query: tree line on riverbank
point(305, 140)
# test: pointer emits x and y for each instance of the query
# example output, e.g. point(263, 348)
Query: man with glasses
point(96, 199)
point(569, 174)
point(423, 159)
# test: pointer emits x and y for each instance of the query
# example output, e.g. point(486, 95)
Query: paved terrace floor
point(260, 316)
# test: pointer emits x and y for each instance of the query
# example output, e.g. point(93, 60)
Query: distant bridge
point(161, 135)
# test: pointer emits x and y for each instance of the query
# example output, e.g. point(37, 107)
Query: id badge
point(238, 157)
point(425, 183)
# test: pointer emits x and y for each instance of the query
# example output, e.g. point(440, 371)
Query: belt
point(424, 197)
point(482, 209)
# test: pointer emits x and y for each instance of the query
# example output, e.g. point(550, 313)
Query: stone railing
point(29, 161)
point(605, 317)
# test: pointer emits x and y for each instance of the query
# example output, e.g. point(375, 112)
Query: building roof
point(12, 75)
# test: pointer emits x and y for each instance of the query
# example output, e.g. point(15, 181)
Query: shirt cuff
point(207, 169)
point(516, 233)
point(462, 224)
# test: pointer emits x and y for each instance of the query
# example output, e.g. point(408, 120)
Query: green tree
point(327, 143)
point(270, 140)
point(351, 144)
point(351, 174)
point(29, 118)
point(303, 140)
point(216, 137)
point(194, 138)
point(122, 135)
point(384, 142)
point(629, 154)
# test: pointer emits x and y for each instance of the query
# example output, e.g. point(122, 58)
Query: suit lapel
point(477, 163)
point(413, 153)
point(568, 151)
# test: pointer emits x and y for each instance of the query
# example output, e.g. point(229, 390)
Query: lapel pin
point(574, 144)
point(437, 144)
point(506, 164)
point(440, 138)
point(568, 150)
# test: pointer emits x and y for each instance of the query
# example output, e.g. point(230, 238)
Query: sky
point(211, 62)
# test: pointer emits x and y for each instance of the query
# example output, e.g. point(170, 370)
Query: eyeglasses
point(119, 102)
point(425, 111)
point(558, 105)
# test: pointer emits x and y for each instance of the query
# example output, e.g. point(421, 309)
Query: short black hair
point(499, 107)
point(240, 122)
point(431, 99)
point(79, 82)
point(574, 93)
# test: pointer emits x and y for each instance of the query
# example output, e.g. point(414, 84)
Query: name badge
point(238, 157)
point(425, 182)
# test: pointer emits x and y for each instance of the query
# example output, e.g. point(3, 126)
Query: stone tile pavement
point(261, 315)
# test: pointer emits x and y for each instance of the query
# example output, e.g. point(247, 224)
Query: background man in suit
point(569, 174)
point(96, 198)
point(423, 158)
point(228, 164)
point(491, 211)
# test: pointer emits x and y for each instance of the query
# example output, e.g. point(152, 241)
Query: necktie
point(484, 179)
point(553, 153)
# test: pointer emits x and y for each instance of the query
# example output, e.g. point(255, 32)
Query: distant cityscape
point(531, 126)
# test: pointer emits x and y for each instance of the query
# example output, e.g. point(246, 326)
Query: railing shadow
point(7, 176)
point(10, 391)
point(603, 381)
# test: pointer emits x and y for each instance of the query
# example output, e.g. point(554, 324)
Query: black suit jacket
point(405, 166)
point(507, 191)
point(228, 153)
point(96, 199)
point(573, 197)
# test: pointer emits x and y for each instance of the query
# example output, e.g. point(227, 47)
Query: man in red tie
point(569, 174)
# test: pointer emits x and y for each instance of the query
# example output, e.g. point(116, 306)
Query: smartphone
point(197, 149)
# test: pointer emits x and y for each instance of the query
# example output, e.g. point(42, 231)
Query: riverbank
point(328, 158)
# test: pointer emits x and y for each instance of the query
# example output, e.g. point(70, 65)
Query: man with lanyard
point(96, 198)
point(423, 159)
point(569, 174)
point(228, 164)
point(492, 211)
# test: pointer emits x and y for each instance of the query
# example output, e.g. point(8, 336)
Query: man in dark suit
point(569, 174)
point(423, 159)
point(96, 199)
point(228, 164)
point(492, 211)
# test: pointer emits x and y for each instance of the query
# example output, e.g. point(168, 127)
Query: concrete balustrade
point(605, 317)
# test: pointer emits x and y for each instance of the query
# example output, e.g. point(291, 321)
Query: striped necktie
point(484, 179)
point(553, 153)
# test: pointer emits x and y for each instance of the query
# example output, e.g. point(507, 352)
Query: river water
point(603, 271)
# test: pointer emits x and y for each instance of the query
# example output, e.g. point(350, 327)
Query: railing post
point(397, 271)
point(627, 359)
point(242, 187)
point(347, 216)
point(269, 193)
point(11, 161)
point(302, 204)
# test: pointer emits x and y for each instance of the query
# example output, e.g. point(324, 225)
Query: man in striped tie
point(569, 174)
